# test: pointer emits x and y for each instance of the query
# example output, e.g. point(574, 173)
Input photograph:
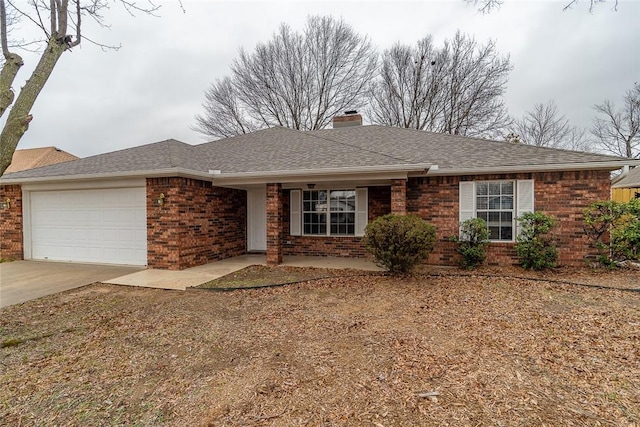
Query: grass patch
point(260, 276)
point(13, 342)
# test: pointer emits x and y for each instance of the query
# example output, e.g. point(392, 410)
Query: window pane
point(481, 203)
point(342, 222)
point(343, 200)
point(494, 202)
point(494, 188)
point(506, 233)
point(507, 187)
point(507, 202)
point(482, 188)
point(483, 215)
point(506, 217)
point(494, 233)
point(494, 216)
point(315, 223)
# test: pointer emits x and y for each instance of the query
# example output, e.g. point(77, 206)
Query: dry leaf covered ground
point(368, 350)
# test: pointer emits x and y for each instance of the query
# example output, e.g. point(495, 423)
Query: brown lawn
point(356, 351)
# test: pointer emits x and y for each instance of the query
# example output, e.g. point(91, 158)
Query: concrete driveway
point(22, 281)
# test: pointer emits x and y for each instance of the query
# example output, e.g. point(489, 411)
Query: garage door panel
point(104, 225)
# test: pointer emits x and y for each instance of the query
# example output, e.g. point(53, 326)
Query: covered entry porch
point(318, 219)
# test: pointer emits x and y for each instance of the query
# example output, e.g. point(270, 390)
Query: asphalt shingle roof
point(282, 149)
point(631, 180)
point(30, 158)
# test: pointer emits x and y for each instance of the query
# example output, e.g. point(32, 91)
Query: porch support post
point(274, 224)
point(399, 196)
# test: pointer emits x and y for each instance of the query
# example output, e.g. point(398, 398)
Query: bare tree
point(455, 89)
point(297, 79)
point(487, 6)
point(544, 126)
point(577, 140)
point(62, 31)
point(410, 90)
point(618, 132)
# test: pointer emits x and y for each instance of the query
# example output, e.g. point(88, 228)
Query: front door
point(257, 219)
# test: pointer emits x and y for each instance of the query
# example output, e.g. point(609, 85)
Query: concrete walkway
point(22, 281)
point(182, 279)
point(190, 277)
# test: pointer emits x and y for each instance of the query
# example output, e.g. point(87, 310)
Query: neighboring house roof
point(30, 158)
point(280, 152)
point(630, 180)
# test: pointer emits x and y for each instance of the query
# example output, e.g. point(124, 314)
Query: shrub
point(399, 242)
point(614, 230)
point(535, 248)
point(472, 242)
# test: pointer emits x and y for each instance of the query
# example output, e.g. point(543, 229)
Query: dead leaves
point(340, 351)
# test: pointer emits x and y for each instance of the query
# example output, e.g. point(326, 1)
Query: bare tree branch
point(58, 41)
point(545, 127)
point(488, 6)
point(297, 79)
point(455, 89)
point(3, 30)
point(618, 132)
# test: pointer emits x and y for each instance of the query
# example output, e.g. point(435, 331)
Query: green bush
point(399, 242)
point(614, 230)
point(472, 242)
point(535, 248)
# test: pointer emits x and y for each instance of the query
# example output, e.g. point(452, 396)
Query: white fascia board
point(329, 171)
point(378, 173)
point(85, 185)
point(156, 173)
point(610, 165)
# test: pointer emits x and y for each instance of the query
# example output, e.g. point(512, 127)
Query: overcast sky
point(152, 87)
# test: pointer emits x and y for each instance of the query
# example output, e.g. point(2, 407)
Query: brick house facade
point(199, 204)
point(199, 223)
point(562, 195)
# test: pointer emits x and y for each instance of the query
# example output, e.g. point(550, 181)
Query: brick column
point(274, 224)
point(399, 196)
point(11, 243)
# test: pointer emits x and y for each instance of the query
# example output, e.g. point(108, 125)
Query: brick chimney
point(350, 118)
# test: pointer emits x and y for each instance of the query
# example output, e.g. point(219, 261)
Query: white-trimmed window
point(499, 203)
point(328, 212)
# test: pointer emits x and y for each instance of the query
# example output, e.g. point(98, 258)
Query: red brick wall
point(348, 246)
point(11, 242)
point(562, 195)
point(399, 196)
point(274, 224)
point(197, 223)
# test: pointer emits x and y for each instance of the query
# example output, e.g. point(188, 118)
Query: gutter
point(609, 165)
point(154, 173)
point(417, 167)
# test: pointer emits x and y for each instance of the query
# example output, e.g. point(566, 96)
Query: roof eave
point(608, 165)
point(153, 173)
point(379, 172)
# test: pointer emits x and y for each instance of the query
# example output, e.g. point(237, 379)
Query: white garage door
point(102, 226)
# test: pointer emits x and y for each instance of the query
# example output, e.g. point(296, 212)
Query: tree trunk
point(19, 117)
point(8, 74)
